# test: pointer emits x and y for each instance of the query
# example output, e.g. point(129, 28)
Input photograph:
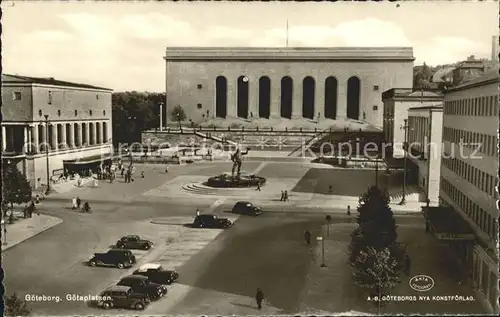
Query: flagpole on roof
point(286, 32)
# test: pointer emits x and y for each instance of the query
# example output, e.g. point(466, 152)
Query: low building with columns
point(306, 84)
point(72, 120)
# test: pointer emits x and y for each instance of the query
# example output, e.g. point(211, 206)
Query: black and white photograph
point(230, 158)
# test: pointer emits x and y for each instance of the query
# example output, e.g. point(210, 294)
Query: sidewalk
point(25, 228)
point(331, 289)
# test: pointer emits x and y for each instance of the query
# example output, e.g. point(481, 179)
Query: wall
point(184, 76)
point(16, 110)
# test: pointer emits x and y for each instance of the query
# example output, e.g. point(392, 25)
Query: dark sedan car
point(157, 274)
point(142, 285)
point(211, 221)
point(134, 242)
point(246, 208)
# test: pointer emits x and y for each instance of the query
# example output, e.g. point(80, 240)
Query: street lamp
point(47, 192)
point(405, 127)
point(322, 239)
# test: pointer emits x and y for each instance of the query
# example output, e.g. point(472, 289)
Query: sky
point(121, 45)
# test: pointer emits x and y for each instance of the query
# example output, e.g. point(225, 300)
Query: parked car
point(141, 284)
point(122, 297)
point(114, 257)
point(211, 221)
point(246, 208)
point(157, 274)
point(134, 242)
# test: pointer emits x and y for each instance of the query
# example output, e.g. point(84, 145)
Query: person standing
point(73, 203)
point(258, 186)
point(282, 196)
point(197, 212)
point(78, 202)
point(259, 297)
point(285, 195)
point(307, 237)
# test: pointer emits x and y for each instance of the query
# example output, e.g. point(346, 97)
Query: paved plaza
point(219, 269)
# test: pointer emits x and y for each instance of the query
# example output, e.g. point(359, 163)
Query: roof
point(427, 108)
point(412, 93)
point(488, 78)
point(118, 288)
point(149, 266)
point(6, 78)
point(442, 72)
point(135, 277)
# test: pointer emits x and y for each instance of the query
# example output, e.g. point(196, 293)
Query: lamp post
point(405, 127)
point(47, 192)
point(161, 116)
point(322, 239)
point(328, 219)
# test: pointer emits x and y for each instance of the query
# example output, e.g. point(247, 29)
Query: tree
point(16, 306)
point(15, 187)
point(178, 114)
point(376, 270)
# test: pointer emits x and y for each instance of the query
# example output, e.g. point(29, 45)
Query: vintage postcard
point(249, 158)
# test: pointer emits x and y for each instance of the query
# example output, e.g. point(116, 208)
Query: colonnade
point(34, 137)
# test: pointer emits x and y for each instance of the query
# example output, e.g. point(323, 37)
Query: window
point(97, 97)
point(375, 88)
point(50, 98)
point(200, 86)
point(90, 112)
point(59, 113)
point(76, 113)
point(40, 112)
point(375, 108)
point(17, 95)
point(198, 106)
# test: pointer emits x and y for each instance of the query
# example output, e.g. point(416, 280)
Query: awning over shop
point(447, 224)
point(90, 159)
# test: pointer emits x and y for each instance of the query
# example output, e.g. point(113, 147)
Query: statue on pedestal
point(236, 158)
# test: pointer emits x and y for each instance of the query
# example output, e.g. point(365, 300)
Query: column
point(62, 139)
point(55, 137)
point(319, 98)
point(35, 138)
point(79, 127)
point(4, 138)
point(26, 140)
point(231, 97)
point(297, 98)
point(342, 98)
point(253, 97)
point(10, 137)
point(94, 133)
point(87, 134)
point(71, 136)
point(43, 137)
point(275, 98)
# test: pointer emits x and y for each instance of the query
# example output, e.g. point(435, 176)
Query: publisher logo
point(421, 283)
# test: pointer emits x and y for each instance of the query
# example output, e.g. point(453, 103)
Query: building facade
point(424, 147)
point(72, 121)
point(286, 83)
point(469, 173)
point(396, 103)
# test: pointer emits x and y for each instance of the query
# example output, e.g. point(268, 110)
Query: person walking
point(348, 210)
point(282, 196)
point(259, 297)
point(307, 237)
point(258, 186)
point(285, 195)
point(78, 202)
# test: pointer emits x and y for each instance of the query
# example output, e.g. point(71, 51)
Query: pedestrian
point(348, 210)
point(259, 297)
point(285, 195)
point(37, 199)
point(78, 202)
point(307, 237)
point(258, 186)
point(330, 189)
point(197, 212)
point(73, 203)
point(282, 195)
point(142, 174)
point(122, 171)
point(407, 265)
point(79, 182)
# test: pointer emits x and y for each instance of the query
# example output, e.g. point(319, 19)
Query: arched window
point(242, 97)
point(308, 97)
point(353, 96)
point(331, 98)
point(220, 97)
point(286, 97)
point(264, 97)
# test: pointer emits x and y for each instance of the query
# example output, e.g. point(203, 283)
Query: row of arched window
point(308, 97)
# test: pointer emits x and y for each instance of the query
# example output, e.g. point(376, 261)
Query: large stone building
point(287, 83)
point(469, 175)
point(78, 131)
